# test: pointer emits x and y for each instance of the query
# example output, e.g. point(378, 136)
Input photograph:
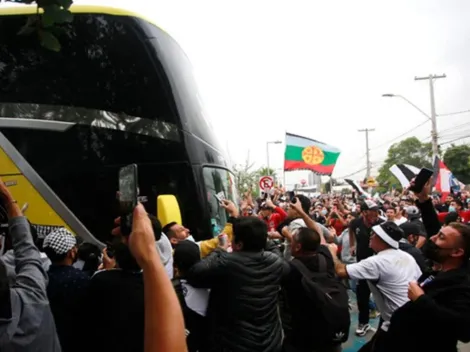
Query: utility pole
point(434, 137)
point(367, 130)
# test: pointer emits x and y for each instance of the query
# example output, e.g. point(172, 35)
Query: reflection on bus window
point(219, 182)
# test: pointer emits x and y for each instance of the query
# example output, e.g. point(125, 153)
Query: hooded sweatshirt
point(30, 327)
point(9, 260)
point(166, 254)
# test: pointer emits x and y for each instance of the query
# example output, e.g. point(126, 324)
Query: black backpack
point(330, 298)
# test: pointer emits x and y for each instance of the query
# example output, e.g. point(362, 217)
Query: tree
point(51, 14)
point(266, 171)
point(457, 159)
point(246, 178)
point(408, 151)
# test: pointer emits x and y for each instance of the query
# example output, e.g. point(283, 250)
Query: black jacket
point(436, 320)
point(242, 310)
point(416, 254)
point(441, 317)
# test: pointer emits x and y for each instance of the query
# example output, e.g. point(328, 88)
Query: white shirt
point(196, 299)
point(389, 274)
point(400, 221)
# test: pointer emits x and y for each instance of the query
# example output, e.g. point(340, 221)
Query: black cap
point(410, 228)
point(369, 205)
point(389, 232)
point(186, 254)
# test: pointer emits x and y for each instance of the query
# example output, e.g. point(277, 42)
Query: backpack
point(330, 298)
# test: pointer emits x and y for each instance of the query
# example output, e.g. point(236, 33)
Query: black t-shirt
point(116, 297)
point(362, 233)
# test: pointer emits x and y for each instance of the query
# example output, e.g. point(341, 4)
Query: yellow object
point(168, 209)
point(38, 211)
point(105, 10)
point(206, 247)
point(313, 155)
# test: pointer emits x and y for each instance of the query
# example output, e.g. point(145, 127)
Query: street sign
point(266, 183)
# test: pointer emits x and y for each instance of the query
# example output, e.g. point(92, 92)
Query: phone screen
point(128, 195)
point(423, 177)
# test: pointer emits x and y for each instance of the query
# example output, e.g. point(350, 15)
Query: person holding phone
point(26, 321)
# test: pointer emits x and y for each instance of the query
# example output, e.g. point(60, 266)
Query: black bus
point(119, 91)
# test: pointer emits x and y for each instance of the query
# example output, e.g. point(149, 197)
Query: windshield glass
point(104, 64)
point(219, 184)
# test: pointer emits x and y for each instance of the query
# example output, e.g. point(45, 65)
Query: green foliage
point(266, 171)
point(457, 159)
point(246, 178)
point(51, 14)
point(408, 151)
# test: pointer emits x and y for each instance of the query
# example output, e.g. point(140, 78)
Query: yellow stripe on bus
point(38, 210)
point(103, 10)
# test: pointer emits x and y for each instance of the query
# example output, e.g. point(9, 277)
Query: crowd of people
point(279, 277)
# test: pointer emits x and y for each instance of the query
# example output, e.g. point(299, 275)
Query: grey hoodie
point(9, 260)
point(166, 254)
point(31, 327)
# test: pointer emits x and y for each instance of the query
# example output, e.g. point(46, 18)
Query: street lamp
point(409, 102)
point(267, 151)
point(435, 147)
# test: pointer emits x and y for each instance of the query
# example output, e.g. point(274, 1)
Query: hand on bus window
point(141, 241)
point(5, 195)
point(7, 202)
point(230, 207)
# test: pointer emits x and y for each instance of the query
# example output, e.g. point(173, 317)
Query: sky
point(319, 69)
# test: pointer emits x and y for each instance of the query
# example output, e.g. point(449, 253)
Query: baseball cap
point(369, 205)
point(412, 211)
point(410, 228)
point(60, 241)
point(389, 232)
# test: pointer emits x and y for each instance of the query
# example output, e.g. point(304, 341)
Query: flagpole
point(283, 166)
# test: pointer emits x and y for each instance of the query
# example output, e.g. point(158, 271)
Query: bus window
point(218, 181)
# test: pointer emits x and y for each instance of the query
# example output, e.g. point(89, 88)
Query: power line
point(403, 134)
point(456, 139)
point(454, 113)
point(454, 127)
point(352, 174)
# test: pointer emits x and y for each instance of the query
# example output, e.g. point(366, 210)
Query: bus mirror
point(168, 209)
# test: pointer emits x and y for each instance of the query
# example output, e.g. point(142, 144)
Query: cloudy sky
point(319, 68)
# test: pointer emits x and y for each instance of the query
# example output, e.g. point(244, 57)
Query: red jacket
point(464, 215)
point(276, 218)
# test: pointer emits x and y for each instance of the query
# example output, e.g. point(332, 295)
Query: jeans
point(353, 287)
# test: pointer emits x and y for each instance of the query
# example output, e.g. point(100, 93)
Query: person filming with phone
point(438, 313)
point(26, 321)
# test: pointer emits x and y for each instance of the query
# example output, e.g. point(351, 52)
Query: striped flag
point(357, 187)
point(404, 173)
point(446, 182)
point(308, 154)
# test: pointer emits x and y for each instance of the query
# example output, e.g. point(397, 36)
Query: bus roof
point(21, 9)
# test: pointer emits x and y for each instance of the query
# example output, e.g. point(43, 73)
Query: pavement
point(354, 342)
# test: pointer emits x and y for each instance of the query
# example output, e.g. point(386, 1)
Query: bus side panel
point(38, 211)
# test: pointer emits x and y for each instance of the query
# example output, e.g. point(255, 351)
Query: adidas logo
point(339, 336)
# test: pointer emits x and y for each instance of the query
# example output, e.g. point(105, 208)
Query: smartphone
point(420, 180)
point(290, 196)
point(128, 196)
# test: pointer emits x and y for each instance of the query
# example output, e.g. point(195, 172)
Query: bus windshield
point(119, 91)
